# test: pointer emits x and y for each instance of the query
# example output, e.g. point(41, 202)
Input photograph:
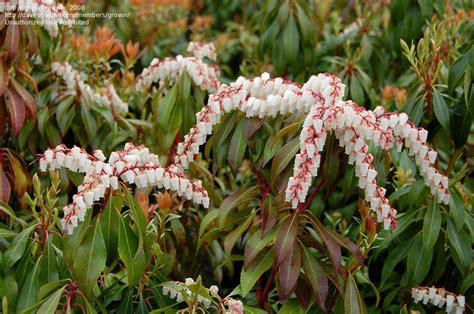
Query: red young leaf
point(317, 277)
point(286, 238)
point(331, 244)
point(12, 40)
point(3, 76)
point(28, 100)
point(269, 215)
point(5, 187)
point(16, 108)
point(289, 271)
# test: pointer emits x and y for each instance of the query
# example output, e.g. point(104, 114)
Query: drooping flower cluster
point(321, 100)
point(76, 86)
point(191, 291)
point(133, 165)
point(202, 50)
point(168, 71)
point(46, 13)
point(439, 297)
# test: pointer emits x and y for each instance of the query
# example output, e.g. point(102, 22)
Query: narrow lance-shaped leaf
point(431, 225)
point(418, 262)
point(440, 109)
point(51, 304)
point(286, 238)
point(28, 100)
point(90, 259)
point(16, 109)
point(4, 76)
point(237, 148)
point(235, 200)
point(5, 187)
point(255, 270)
point(288, 272)
point(317, 277)
point(353, 302)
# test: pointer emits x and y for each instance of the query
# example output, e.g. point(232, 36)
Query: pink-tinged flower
point(201, 50)
point(133, 165)
point(439, 297)
point(234, 306)
point(320, 99)
point(168, 71)
point(76, 86)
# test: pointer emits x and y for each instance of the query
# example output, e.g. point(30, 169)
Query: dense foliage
point(140, 173)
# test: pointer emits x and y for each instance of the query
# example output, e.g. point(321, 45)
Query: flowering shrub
point(187, 159)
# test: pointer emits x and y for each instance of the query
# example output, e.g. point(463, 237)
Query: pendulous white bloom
point(455, 304)
point(320, 99)
point(202, 50)
point(48, 14)
point(76, 86)
point(168, 71)
point(133, 165)
point(182, 291)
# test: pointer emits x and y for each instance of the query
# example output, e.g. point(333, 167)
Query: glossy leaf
point(353, 302)
point(418, 262)
point(431, 225)
point(16, 109)
point(235, 200)
point(460, 248)
point(255, 270)
point(52, 302)
point(317, 277)
point(237, 148)
point(286, 237)
point(16, 249)
point(90, 259)
point(288, 272)
point(441, 109)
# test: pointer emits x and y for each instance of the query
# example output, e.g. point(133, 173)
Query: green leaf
point(131, 253)
point(353, 302)
point(456, 72)
point(431, 225)
point(49, 268)
point(89, 122)
point(259, 265)
point(234, 200)
point(16, 249)
point(286, 237)
point(6, 233)
point(283, 158)
point(29, 290)
point(460, 247)
point(109, 220)
point(440, 109)
point(316, 276)
point(467, 283)
point(461, 124)
point(232, 237)
point(256, 244)
point(418, 262)
point(291, 41)
point(90, 259)
point(237, 148)
point(357, 94)
point(51, 303)
point(166, 108)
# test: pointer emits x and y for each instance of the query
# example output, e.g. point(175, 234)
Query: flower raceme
point(76, 85)
point(202, 50)
point(46, 13)
point(439, 297)
point(320, 99)
point(133, 165)
point(168, 71)
point(206, 297)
